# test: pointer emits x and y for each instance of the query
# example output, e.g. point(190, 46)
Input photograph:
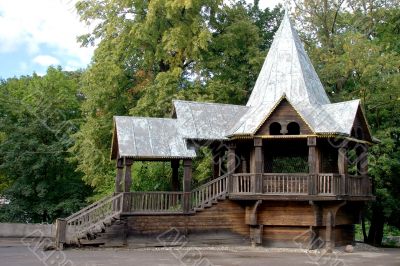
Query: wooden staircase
point(209, 194)
point(87, 226)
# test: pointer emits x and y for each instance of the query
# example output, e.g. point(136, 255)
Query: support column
point(216, 161)
point(259, 165)
point(342, 167)
point(313, 165)
point(328, 233)
point(128, 174)
point(231, 164)
point(175, 175)
point(187, 179)
point(119, 175)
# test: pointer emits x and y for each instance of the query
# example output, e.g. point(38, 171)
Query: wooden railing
point(285, 183)
point(329, 184)
point(355, 186)
point(88, 208)
point(208, 192)
point(162, 201)
point(92, 217)
point(242, 183)
point(325, 184)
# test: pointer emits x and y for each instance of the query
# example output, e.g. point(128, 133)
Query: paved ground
point(30, 253)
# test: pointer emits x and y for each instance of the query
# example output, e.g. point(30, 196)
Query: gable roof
point(210, 121)
point(287, 70)
point(153, 138)
point(287, 73)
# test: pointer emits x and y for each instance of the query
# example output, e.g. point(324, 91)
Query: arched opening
point(275, 129)
point(293, 128)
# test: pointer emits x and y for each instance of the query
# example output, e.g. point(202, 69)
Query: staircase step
point(94, 242)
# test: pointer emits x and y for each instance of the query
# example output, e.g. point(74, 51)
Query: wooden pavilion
point(289, 168)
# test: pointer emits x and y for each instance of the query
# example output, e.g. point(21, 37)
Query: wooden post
point(231, 160)
point(216, 158)
point(231, 164)
point(175, 175)
point(313, 165)
point(342, 167)
point(128, 175)
point(187, 179)
point(61, 233)
point(328, 233)
point(259, 165)
point(120, 173)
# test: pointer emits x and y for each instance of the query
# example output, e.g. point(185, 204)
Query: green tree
point(150, 52)
point(354, 46)
point(37, 117)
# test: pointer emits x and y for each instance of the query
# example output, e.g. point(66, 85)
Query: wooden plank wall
point(285, 224)
point(284, 114)
point(224, 216)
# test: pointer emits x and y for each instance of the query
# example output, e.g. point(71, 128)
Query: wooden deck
point(321, 185)
point(237, 187)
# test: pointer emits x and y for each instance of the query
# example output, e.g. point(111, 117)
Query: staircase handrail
point(91, 206)
point(209, 183)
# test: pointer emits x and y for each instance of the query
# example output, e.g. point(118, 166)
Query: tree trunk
point(375, 234)
point(364, 231)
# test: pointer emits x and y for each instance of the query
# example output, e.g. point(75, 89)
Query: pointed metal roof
point(287, 73)
point(287, 70)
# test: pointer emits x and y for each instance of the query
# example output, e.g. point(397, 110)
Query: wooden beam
point(342, 167)
point(119, 175)
point(342, 160)
point(259, 165)
point(251, 213)
point(187, 179)
point(216, 161)
point(128, 174)
point(61, 231)
point(231, 160)
point(175, 175)
point(328, 233)
point(313, 162)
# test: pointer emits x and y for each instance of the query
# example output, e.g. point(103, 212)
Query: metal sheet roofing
point(287, 73)
point(287, 70)
point(139, 137)
point(207, 120)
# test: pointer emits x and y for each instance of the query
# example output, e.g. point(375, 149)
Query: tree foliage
point(151, 52)
point(354, 46)
point(37, 117)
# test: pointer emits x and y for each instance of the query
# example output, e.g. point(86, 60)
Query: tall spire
point(288, 71)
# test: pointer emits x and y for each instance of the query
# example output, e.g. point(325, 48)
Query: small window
point(275, 129)
point(293, 128)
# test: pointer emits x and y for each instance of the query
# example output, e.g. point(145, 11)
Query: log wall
point(284, 224)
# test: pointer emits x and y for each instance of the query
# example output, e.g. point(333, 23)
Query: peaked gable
point(360, 129)
point(284, 114)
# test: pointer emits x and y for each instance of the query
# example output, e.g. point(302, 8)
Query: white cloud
point(32, 24)
point(23, 66)
point(46, 60)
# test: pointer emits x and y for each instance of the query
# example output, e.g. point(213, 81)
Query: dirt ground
point(26, 252)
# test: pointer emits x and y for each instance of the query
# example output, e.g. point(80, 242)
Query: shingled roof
point(287, 73)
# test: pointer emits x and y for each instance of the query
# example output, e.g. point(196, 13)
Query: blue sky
point(35, 34)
